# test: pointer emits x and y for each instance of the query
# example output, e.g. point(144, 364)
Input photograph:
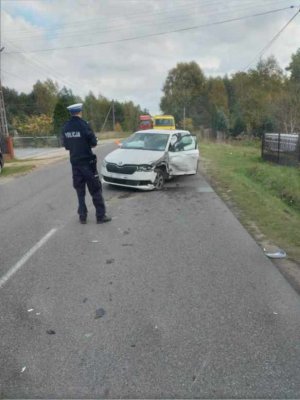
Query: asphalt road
point(172, 299)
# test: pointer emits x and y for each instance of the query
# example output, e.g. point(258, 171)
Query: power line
point(44, 68)
point(165, 20)
point(12, 74)
point(183, 7)
point(155, 18)
point(269, 44)
point(158, 33)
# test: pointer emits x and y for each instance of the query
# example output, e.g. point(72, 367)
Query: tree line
point(44, 110)
point(263, 99)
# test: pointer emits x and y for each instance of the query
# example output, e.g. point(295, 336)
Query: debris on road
point(277, 254)
point(51, 332)
point(99, 313)
point(30, 309)
point(23, 369)
point(110, 261)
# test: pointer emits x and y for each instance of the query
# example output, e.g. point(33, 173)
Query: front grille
point(128, 182)
point(121, 169)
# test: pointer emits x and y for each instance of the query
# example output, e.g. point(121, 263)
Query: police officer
point(78, 138)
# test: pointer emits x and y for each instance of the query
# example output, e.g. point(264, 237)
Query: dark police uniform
point(78, 138)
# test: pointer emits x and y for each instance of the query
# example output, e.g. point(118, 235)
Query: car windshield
point(164, 122)
point(146, 141)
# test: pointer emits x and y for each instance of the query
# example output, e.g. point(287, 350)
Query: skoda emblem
point(120, 163)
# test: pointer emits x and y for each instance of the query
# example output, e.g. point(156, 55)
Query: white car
point(148, 157)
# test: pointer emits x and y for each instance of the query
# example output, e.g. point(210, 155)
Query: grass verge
point(265, 196)
point(16, 167)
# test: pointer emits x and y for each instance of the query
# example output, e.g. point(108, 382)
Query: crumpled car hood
point(132, 156)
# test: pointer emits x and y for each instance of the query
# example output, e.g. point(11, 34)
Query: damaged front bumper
point(143, 180)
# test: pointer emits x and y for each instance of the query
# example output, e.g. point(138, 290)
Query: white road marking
point(26, 257)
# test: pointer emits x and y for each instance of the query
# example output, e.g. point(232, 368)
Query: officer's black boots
point(104, 219)
point(82, 219)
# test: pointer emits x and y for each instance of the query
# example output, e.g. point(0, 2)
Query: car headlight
point(144, 168)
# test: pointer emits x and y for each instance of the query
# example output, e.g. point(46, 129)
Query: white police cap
point(75, 108)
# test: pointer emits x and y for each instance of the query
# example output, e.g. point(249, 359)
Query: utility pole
point(113, 114)
point(6, 142)
point(3, 120)
point(183, 117)
point(104, 123)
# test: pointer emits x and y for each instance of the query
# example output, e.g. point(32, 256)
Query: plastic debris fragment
point(277, 254)
point(23, 369)
point(30, 309)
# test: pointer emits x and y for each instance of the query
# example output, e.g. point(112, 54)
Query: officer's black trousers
point(87, 175)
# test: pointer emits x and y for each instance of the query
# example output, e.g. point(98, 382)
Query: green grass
point(264, 195)
point(10, 170)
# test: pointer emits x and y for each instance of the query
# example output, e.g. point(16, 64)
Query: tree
point(217, 94)
point(287, 109)
point(34, 125)
point(268, 68)
point(239, 126)
point(93, 111)
point(294, 68)
point(131, 116)
point(45, 96)
point(61, 114)
point(184, 90)
point(255, 94)
point(220, 121)
point(217, 104)
point(186, 123)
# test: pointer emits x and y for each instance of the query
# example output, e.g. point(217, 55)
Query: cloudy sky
point(124, 49)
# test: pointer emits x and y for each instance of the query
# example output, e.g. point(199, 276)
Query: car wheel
point(159, 180)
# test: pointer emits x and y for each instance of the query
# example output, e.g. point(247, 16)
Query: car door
point(183, 155)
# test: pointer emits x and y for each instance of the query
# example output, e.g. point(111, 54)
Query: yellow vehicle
point(164, 122)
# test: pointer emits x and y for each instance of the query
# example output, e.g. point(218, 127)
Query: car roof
point(166, 131)
point(164, 116)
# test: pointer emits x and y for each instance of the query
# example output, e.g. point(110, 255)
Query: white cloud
point(135, 69)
